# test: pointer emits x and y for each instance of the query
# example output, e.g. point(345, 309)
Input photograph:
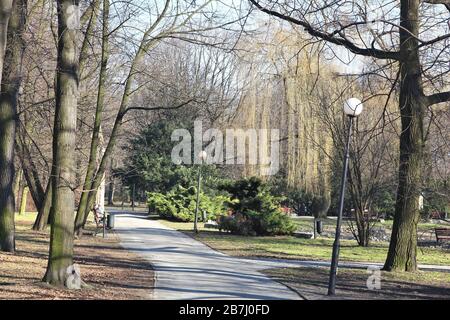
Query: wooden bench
point(442, 234)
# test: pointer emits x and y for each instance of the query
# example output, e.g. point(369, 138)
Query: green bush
point(255, 210)
point(179, 204)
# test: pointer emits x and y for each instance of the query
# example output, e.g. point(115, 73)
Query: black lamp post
point(202, 157)
point(352, 108)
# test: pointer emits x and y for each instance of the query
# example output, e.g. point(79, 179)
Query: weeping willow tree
point(277, 95)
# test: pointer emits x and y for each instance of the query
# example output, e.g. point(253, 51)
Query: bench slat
point(442, 233)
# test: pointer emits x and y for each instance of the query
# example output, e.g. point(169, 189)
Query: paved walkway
point(187, 269)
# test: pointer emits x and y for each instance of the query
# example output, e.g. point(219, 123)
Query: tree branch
point(158, 108)
point(341, 41)
point(437, 39)
point(438, 98)
point(446, 3)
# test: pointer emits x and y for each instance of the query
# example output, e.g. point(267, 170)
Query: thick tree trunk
point(11, 78)
point(6, 7)
point(7, 204)
point(84, 205)
point(63, 198)
point(403, 245)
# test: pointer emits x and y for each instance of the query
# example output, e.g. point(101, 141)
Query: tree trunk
point(144, 47)
point(362, 225)
point(89, 33)
point(6, 7)
point(112, 185)
point(30, 173)
point(16, 186)
point(11, 78)
point(63, 198)
point(84, 205)
point(42, 218)
point(23, 201)
point(403, 245)
point(16, 183)
point(111, 192)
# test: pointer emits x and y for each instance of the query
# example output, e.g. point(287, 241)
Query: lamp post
point(202, 156)
point(352, 108)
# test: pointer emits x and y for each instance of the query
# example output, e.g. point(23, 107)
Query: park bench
point(442, 234)
point(100, 223)
point(211, 225)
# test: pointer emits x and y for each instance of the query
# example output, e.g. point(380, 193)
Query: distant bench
point(211, 224)
point(442, 234)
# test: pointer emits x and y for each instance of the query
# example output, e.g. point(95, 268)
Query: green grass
point(306, 224)
point(422, 277)
point(312, 284)
point(26, 217)
point(288, 247)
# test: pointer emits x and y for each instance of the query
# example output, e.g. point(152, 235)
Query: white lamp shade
point(353, 107)
point(202, 155)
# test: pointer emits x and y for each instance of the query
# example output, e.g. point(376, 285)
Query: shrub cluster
point(179, 204)
point(255, 211)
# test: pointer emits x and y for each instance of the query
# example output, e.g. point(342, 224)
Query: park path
point(187, 269)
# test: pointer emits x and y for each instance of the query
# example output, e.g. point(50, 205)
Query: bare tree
point(174, 20)
point(409, 41)
point(6, 7)
point(11, 80)
point(63, 172)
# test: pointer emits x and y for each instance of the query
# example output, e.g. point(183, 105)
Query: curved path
point(187, 269)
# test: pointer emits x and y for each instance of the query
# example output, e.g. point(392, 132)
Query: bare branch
point(438, 98)
point(446, 3)
point(341, 41)
point(157, 108)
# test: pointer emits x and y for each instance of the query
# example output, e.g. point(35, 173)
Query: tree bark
point(403, 244)
point(16, 186)
point(84, 205)
point(63, 198)
point(111, 189)
point(6, 7)
point(23, 200)
point(43, 216)
point(30, 173)
point(11, 78)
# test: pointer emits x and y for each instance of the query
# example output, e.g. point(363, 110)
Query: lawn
point(425, 229)
point(312, 284)
point(289, 247)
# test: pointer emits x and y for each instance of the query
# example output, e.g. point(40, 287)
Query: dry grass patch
point(111, 271)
